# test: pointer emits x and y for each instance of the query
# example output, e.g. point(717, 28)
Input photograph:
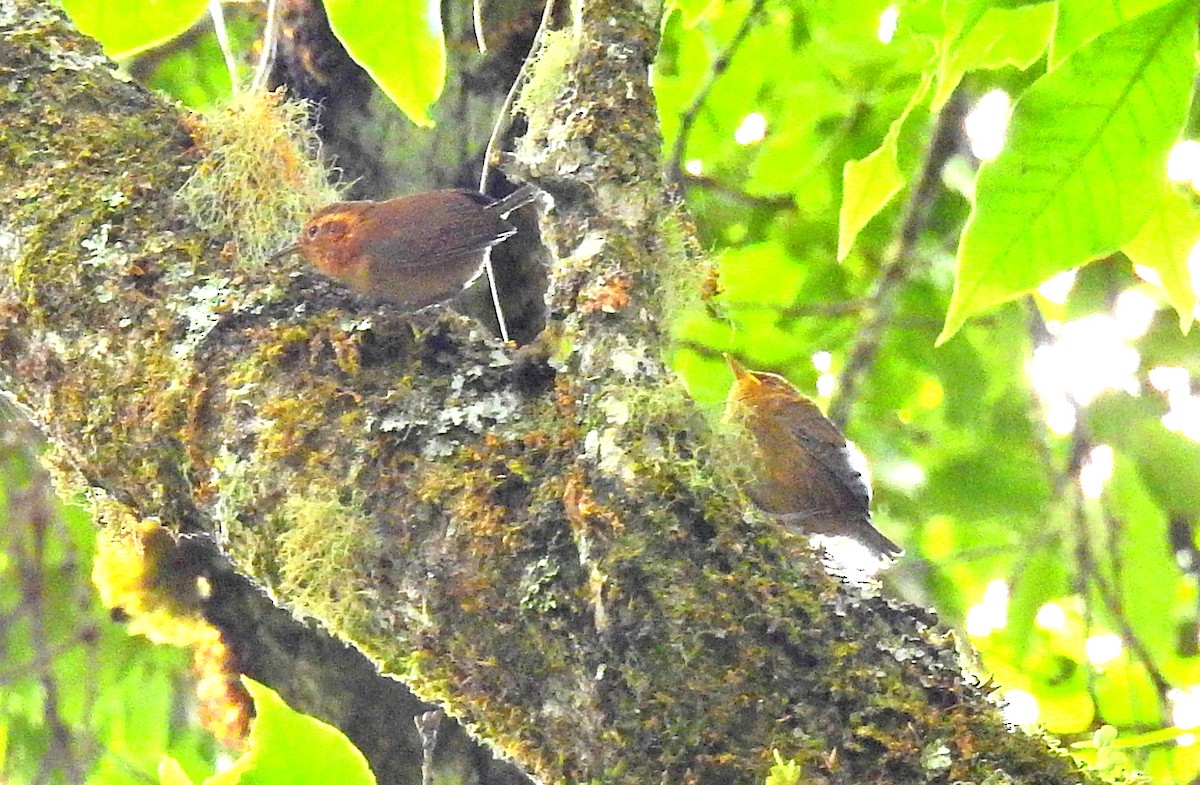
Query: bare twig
point(427, 726)
point(719, 66)
point(218, 21)
point(1109, 594)
point(1089, 572)
point(781, 202)
point(503, 120)
point(269, 47)
point(897, 267)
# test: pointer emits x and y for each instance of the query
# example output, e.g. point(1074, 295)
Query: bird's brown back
point(803, 469)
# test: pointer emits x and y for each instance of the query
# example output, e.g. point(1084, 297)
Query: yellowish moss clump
point(140, 569)
point(321, 556)
point(685, 271)
point(259, 175)
point(134, 572)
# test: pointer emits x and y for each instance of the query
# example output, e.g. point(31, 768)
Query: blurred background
point(1041, 468)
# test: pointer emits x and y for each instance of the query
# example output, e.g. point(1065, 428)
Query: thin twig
point(270, 44)
point(477, 18)
point(38, 519)
point(428, 724)
point(503, 120)
point(771, 202)
point(1084, 559)
point(719, 66)
point(1108, 593)
point(1090, 572)
point(881, 304)
point(218, 21)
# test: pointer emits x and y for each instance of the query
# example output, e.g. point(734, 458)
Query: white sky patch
point(1103, 649)
point(907, 476)
point(826, 384)
point(694, 167)
point(752, 129)
point(1051, 616)
point(991, 613)
point(1134, 312)
point(887, 24)
point(987, 123)
point(1020, 708)
point(1185, 712)
point(1096, 471)
point(1148, 274)
point(1183, 414)
point(1057, 289)
point(1183, 164)
point(822, 361)
point(1086, 357)
point(1170, 379)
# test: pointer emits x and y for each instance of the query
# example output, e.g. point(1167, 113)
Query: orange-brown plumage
point(805, 476)
point(414, 250)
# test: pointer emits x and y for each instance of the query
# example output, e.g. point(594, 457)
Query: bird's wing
point(826, 444)
point(438, 225)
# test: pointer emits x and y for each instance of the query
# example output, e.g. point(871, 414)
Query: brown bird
point(805, 474)
point(414, 250)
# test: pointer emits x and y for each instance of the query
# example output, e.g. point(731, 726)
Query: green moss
point(548, 79)
point(323, 549)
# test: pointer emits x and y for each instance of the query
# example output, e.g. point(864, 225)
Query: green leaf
point(979, 37)
point(760, 274)
point(286, 747)
point(400, 44)
point(1079, 21)
point(1164, 244)
point(126, 27)
point(1084, 142)
point(691, 11)
point(196, 73)
point(870, 183)
point(170, 772)
point(1040, 579)
point(1148, 571)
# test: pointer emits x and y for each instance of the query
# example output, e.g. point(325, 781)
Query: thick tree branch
point(547, 543)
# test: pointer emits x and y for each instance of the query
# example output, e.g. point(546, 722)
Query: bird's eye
point(312, 231)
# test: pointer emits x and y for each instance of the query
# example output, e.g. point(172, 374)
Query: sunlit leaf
point(981, 37)
point(1042, 577)
point(170, 772)
point(289, 748)
point(871, 182)
point(1145, 570)
point(1083, 144)
point(1164, 244)
point(1079, 21)
point(126, 27)
point(400, 44)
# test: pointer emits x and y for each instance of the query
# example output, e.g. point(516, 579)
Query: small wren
point(415, 250)
point(806, 477)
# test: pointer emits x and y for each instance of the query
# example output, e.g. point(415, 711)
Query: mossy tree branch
point(543, 541)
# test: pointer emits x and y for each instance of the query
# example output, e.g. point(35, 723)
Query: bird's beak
point(291, 249)
point(738, 369)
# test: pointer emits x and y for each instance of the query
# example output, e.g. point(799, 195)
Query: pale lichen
point(260, 176)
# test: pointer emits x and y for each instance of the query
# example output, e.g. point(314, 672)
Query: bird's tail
point(518, 198)
point(871, 537)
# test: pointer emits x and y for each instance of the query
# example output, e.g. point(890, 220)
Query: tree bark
point(547, 542)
